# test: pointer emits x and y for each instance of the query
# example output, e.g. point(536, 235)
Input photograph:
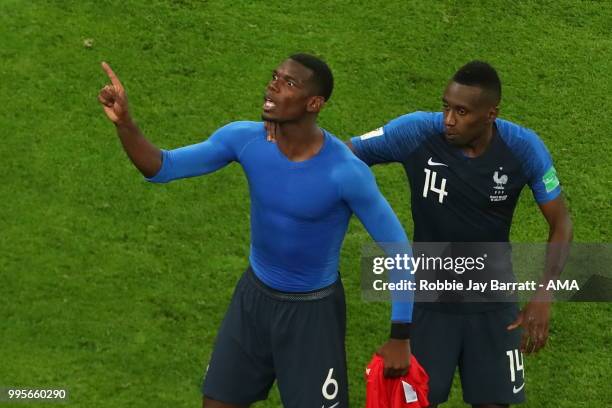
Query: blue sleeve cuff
point(160, 177)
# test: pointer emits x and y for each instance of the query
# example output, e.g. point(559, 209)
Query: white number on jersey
point(430, 185)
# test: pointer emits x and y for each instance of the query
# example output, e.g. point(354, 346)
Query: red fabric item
point(408, 391)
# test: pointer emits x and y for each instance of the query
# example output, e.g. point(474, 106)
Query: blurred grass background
point(114, 288)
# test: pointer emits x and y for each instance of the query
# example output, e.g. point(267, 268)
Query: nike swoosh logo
point(433, 163)
point(517, 390)
point(333, 406)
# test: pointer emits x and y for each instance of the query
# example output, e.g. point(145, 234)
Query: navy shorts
point(487, 354)
point(294, 338)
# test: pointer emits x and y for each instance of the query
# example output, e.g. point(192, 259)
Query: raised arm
point(144, 155)
point(157, 165)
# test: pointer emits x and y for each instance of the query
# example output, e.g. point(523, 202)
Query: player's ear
point(315, 104)
point(492, 115)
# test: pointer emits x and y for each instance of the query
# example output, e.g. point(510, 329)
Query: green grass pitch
point(114, 288)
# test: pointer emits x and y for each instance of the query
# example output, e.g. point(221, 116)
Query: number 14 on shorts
point(515, 360)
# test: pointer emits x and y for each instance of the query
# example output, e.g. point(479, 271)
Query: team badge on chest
point(499, 187)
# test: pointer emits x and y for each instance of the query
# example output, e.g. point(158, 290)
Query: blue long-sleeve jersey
point(299, 210)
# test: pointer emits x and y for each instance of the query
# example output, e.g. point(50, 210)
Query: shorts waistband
point(290, 296)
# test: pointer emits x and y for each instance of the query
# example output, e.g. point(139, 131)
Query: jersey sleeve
point(220, 149)
point(535, 159)
point(395, 141)
point(359, 190)
point(545, 183)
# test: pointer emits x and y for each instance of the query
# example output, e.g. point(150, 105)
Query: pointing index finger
point(111, 75)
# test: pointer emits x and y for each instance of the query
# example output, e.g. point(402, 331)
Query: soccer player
point(286, 320)
point(466, 169)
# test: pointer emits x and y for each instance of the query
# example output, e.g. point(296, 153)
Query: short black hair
point(322, 76)
point(482, 75)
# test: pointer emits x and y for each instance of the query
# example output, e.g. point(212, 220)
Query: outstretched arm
point(157, 165)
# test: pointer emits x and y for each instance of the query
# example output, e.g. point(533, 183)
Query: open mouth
point(268, 104)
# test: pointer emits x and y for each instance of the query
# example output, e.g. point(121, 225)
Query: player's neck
point(299, 141)
point(479, 145)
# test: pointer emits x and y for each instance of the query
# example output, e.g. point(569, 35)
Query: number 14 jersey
point(455, 198)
